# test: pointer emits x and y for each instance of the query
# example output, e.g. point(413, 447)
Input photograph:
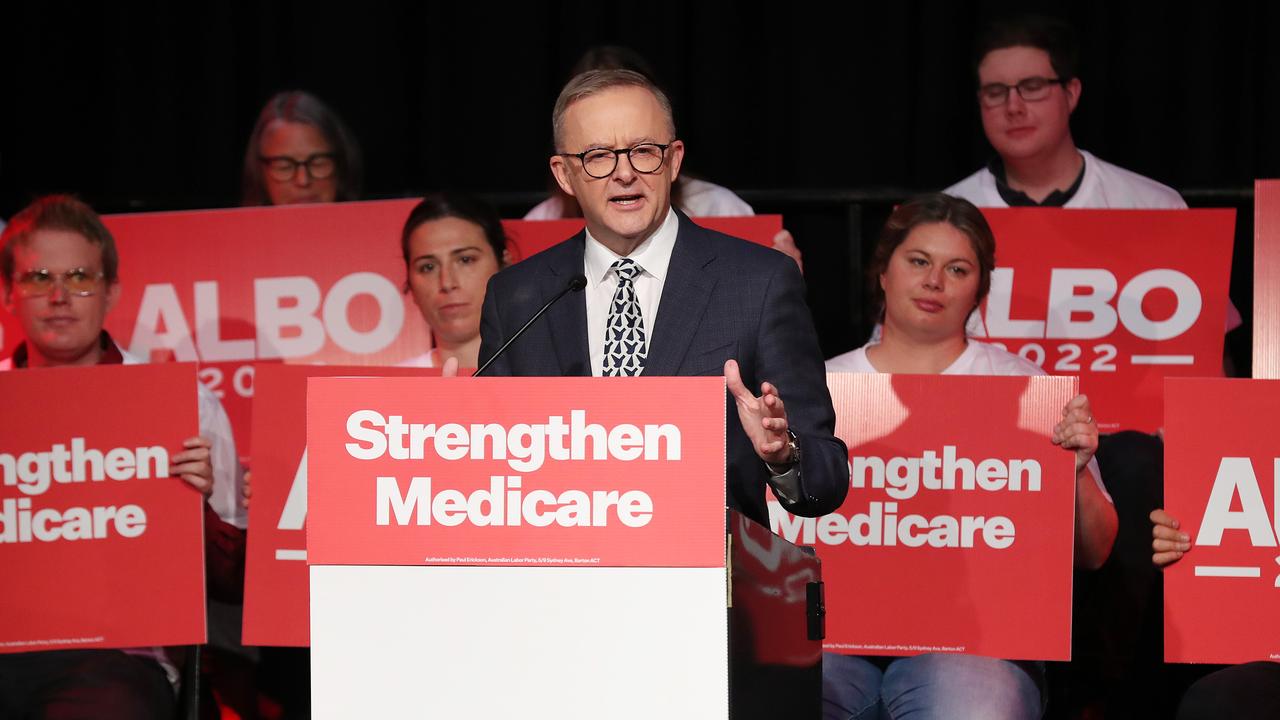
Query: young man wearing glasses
point(59, 267)
point(1027, 90)
point(664, 296)
point(1028, 87)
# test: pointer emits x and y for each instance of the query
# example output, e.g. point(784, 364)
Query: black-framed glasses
point(283, 168)
point(1032, 89)
point(81, 282)
point(645, 158)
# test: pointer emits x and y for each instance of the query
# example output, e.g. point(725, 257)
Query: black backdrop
point(799, 106)
point(149, 107)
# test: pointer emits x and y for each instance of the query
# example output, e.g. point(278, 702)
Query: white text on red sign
point(292, 319)
point(525, 447)
point(1236, 480)
point(902, 478)
point(33, 473)
point(1088, 304)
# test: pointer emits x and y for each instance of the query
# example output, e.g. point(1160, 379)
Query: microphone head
point(577, 282)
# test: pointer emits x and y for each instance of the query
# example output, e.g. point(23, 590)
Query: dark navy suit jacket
point(723, 298)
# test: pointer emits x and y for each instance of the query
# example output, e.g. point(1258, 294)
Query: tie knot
point(627, 269)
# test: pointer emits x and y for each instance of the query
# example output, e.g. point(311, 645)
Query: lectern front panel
point(527, 642)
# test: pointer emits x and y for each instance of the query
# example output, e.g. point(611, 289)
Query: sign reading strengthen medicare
point(1222, 483)
point(1119, 298)
point(956, 536)
point(276, 582)
point(309, 284)
point(610, 472)
point(100, 547)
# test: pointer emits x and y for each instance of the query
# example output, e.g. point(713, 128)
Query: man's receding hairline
point(667, 120)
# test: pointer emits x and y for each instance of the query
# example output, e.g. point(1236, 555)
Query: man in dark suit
point(666, 297)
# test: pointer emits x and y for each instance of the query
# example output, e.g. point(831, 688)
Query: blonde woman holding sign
point(932, 267)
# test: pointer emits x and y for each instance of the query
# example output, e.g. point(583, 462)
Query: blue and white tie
point(624, 341)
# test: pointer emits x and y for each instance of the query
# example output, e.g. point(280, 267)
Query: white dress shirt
point(653, 256)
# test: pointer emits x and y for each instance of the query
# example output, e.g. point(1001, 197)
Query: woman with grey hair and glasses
point(300, 151)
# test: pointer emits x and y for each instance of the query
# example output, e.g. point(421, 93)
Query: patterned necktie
point(624, 341)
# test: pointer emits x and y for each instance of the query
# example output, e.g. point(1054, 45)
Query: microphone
point(576, 283)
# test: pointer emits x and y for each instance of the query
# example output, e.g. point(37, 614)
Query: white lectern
point(500, 598)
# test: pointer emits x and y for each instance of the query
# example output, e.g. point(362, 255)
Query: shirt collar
point(654, 254)
point(1017, 198)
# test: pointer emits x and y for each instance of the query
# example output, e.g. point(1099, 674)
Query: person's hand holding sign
point(1077, 431)
point(1096, 521)
point(193, 464)
point(1168, 542)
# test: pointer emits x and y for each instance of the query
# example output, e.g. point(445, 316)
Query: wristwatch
point(793, 458)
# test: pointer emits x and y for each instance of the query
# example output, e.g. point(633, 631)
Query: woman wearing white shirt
point(933, 267)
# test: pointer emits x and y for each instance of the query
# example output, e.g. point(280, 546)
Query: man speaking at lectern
point(664, 296)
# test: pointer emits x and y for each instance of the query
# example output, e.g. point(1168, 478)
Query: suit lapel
point(685, 295)
point(567, 319)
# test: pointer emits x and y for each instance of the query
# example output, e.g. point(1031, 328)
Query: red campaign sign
point(558, 472)
point(100, 548)
point(1119, 298)
point(1266, 280)
point(300, 284)
point(956, 493)
point(276, 582)
point(1222, 483)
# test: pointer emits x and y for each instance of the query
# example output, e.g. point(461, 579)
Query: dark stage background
point(827, 113)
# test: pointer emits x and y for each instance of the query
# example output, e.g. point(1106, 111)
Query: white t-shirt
point(698, 198)
point(1104, 186)
point(978, 358)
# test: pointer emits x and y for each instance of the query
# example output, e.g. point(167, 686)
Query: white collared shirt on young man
point(1103, 185)
point(653, 256)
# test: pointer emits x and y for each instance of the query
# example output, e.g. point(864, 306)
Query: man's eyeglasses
point(81, 282)
point(283, 168)
point(601, 162)
point(1031, 89)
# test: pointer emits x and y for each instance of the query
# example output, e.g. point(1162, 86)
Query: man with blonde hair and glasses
point(664, 296)
point(59, 270)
